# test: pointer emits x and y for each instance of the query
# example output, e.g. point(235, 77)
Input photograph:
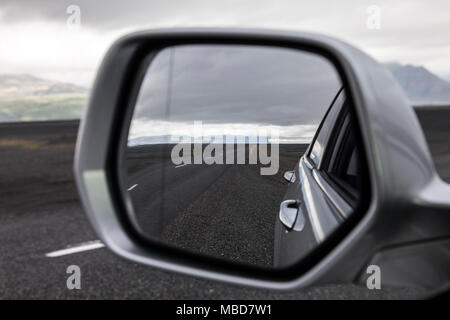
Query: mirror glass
point(241, 152)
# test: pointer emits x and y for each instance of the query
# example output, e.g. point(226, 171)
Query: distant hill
point(168, 139)
point(178, 139)
point(420, 85)
point(25, 85)
point(25, 97)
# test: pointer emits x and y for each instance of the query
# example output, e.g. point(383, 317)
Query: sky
point(44, 38)
point(234, 90)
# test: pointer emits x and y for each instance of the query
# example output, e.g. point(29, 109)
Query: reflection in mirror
point(217, 162)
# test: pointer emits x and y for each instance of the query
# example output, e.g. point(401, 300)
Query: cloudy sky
point(37, 40)
point(255, 84)
point(234, 90)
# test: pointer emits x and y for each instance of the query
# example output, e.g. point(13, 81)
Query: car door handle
point(288, 213)
point(289, 176)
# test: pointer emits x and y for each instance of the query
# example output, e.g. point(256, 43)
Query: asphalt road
point(40, 213)
point(227, 211)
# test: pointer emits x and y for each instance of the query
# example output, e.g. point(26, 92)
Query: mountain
point(169, 139)
point(420, 85)
point(25, 97)
point(25, 85)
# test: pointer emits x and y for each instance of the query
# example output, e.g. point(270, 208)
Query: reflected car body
point(324, 188)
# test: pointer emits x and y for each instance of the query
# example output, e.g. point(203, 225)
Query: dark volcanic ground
point(40, 212)
point(227, 211)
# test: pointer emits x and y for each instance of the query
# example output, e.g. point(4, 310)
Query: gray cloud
point(238, 84)
point(415, 21)
point(101, 14)
point(416, 31)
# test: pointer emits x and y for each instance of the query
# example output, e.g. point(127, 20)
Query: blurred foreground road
point(40, 213)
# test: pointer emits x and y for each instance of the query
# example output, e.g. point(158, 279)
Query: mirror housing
point(393, 141)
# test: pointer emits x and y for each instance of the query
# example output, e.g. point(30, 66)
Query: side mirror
point(181, 151)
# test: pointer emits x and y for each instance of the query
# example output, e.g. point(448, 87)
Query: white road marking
point(132, 187)
point(181, 165)
point(85, 246)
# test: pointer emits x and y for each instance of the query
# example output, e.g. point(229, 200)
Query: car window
point(344, 165)
point(326, 128)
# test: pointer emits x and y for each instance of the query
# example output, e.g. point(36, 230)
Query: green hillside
point(25, 97)
point(42, 108)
